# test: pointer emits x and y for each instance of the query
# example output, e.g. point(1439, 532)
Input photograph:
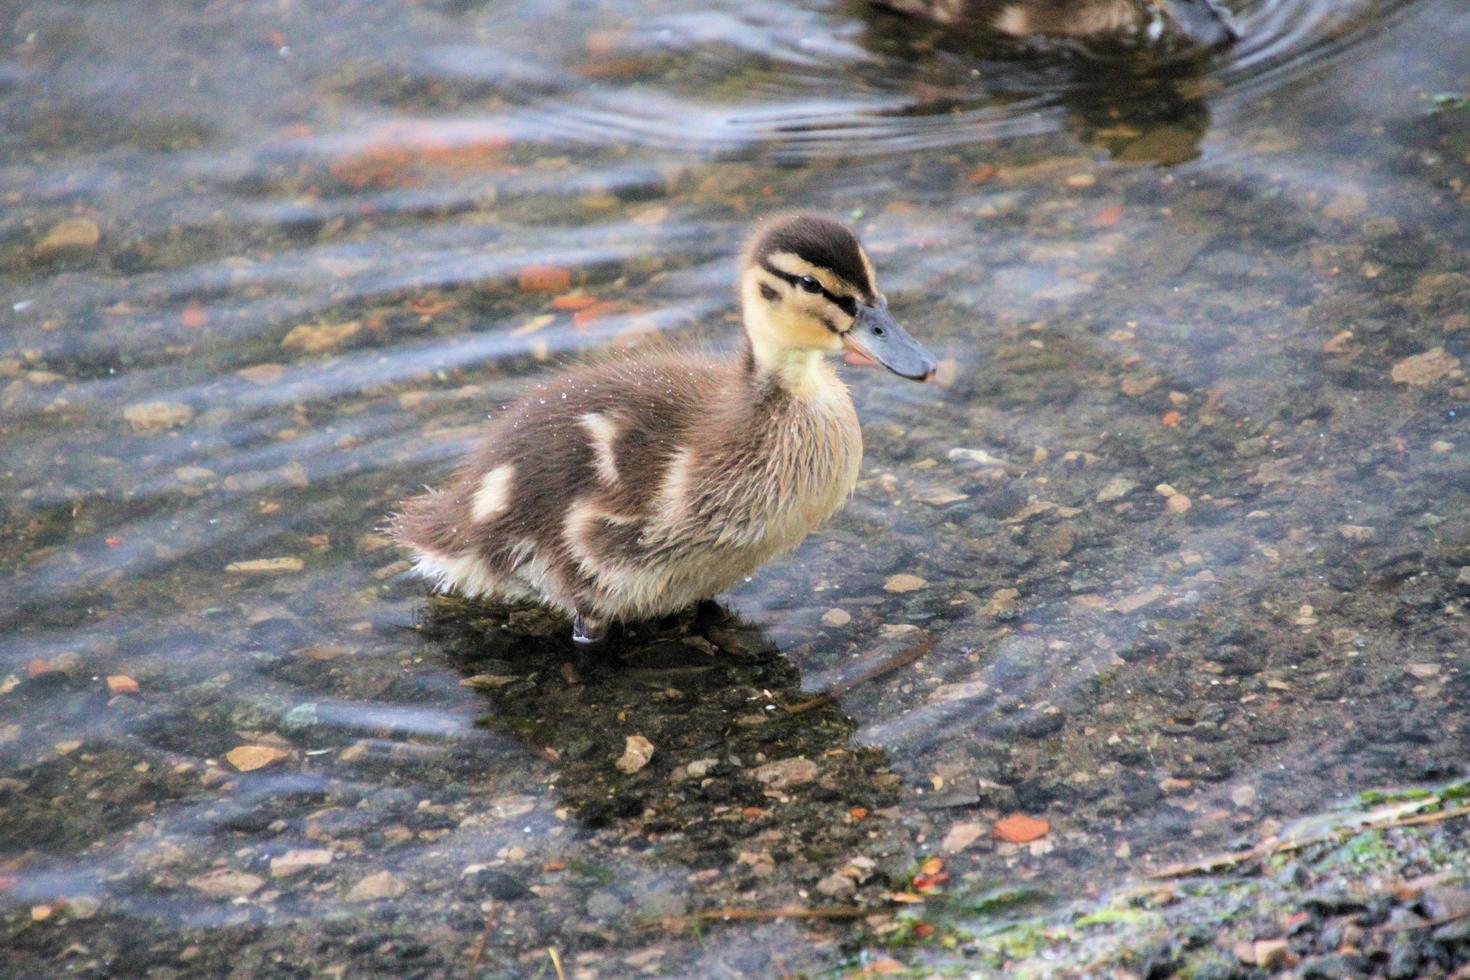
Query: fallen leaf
point(574, 301)
point(248, 758)
point(544, 279)
point(584, 318)
point(983, 174)
point(1018, 828)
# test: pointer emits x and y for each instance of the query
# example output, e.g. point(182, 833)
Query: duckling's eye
point(810, 284)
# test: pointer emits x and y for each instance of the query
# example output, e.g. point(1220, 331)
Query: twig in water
point(479, 953)
point(556, 962)
point(1234, 858)
point(901, 659)
point(786, 912)
point(1426, 924)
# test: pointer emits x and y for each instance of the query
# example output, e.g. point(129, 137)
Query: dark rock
point(1334, 901)
point(497, 885)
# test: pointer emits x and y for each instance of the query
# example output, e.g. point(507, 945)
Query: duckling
point(634, 487)
point(1200, 22)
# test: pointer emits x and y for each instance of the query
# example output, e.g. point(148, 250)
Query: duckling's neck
point(803, 372)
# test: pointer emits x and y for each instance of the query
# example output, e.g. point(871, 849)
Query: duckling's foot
point(587, 632)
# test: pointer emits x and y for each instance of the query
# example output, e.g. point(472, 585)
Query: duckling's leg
point(587, 631)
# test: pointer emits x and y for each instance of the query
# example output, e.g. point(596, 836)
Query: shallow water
point(307, 250)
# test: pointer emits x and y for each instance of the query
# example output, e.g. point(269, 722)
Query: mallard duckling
point(1200, 22)
point(633, 488)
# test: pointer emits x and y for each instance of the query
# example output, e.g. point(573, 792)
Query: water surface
point(1186, 508)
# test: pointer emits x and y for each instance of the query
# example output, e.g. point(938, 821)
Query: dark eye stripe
point(844, 303)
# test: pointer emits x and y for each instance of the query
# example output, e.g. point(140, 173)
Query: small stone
point(637, 750)
point(1141, 599)
point(1462, 579)
point(67, 746)
point(71, 235)
point(785, 773)
point(961, 836)
point(265, 566)
point(1002, 603)
point(1440, 446)
point(1178, 504)
point(604, 904)
point(384, 884)
point(1423, 370)
point(941, 497)
point(904, 582)
point(1357, 532)
point(1266, 953)
point(226, 883)
point(1115, 489)
point(1423, 671)
point(40, 913)
point(1137, 386)
point(836, 618)
point(1080, 181)
point(262, 374)
point(1243, 796)
point(122, 684)
point(837, 886)
point(980, 456)
point(298, 860)
point(248, 758)
point(315, 338)
point(83, 906)
point(325, 651)
point(1059, 541)
point(700, 768)
point(157, 416)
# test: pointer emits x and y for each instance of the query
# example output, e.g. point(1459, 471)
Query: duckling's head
point(807, 289)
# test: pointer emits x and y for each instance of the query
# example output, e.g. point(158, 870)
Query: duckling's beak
point(1202, 21)
point(877, 334)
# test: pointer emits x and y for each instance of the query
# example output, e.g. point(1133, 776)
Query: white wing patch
point(673, 496)
point(604, 433)
point(493, 495)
